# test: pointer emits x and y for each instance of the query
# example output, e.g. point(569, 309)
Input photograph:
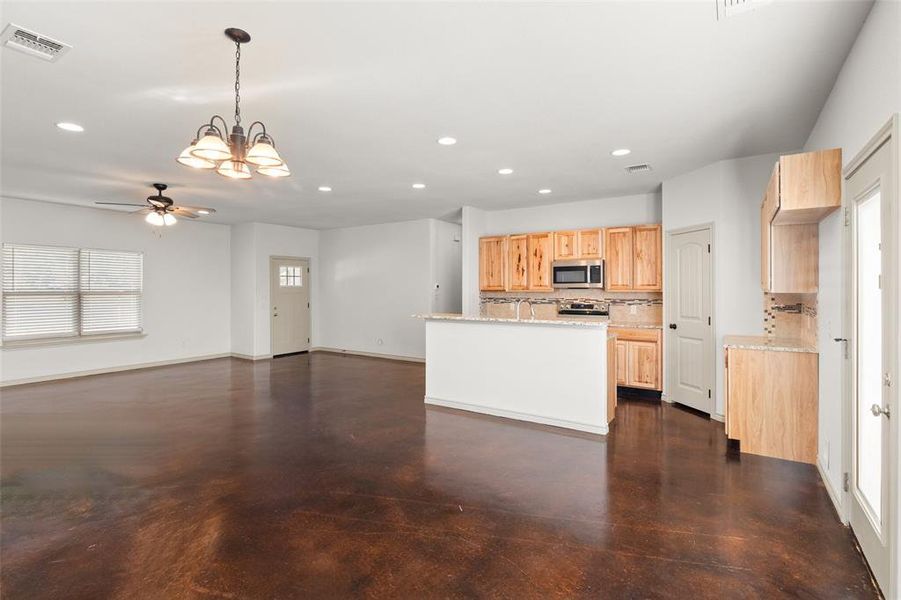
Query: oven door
point(571, 276)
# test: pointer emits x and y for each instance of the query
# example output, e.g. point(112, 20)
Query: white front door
point(871, 203)
point(289, 283)
point(690, 353)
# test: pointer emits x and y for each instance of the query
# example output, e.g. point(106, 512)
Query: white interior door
point(690, 356)
point(289, 282)
point(871, 200)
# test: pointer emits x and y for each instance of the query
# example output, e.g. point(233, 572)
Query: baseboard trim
point(518, 416)
point(833, 493)
point(718, 417)
point(119, 369)
point(251, 356)
point(413, 359)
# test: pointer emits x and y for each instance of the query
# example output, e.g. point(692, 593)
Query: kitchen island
point(549, 371)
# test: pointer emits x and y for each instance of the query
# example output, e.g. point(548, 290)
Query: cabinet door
point(810, 185)
point(540, 252)
point(765, 241)
point(621, 362)
point(518, 262)
point(566, 245)
point(647, 269)
point(618, 249)
point(643, 360)
point(493, 264)
point(591, 243)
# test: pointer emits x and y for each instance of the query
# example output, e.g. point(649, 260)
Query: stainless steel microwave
point(578, 274)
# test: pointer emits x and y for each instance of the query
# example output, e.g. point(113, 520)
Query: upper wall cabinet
point(647, 272)
point(518, 262)
point(493, 264)
point(586, 243)
point(803, 189)
point(634, 258)
point(540, 246)
point(619, 248)
point(810, 187)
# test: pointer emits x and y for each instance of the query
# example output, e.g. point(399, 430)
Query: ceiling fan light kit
point(231, 157)
point(161, 210)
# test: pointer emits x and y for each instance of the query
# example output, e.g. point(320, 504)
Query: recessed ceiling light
point(621, 152)
point(70, 127)
point(418, 186)
point(324, 188)
point(544, 191)
point(203, 212)
point(505, 171)
point(447, 141)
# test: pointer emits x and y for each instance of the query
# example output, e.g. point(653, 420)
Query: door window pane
point(290, 276)
point(869, 353)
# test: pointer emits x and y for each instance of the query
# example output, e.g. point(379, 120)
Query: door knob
point(672, 325)
point(878, 410)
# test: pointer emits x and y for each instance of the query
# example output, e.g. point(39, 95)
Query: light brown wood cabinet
point(639, 362)
point(540, 251)
point(585, 243)
point(803, 189)
point(634, 258)
point(771, 402)
point(493, 264)
point(619, 248)
point(566, 245)
point(591, 243)
point(647, 261)
point(522, 262)
point(621, 351)
point(518, 262)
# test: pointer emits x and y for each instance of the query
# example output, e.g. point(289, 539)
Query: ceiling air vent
point(730, 8)
point(32, 43)
point(638, 168)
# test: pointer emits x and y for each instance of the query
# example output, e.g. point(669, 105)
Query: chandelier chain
point(238, 84)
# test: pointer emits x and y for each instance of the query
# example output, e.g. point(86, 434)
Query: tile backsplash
point(790, 316)
point(638, 307)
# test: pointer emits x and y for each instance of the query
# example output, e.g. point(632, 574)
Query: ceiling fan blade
point(183, 213)
point(120, 203)
point(196, 209)
point(141, 211)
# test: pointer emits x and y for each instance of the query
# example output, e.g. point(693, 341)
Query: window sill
point(19, 344)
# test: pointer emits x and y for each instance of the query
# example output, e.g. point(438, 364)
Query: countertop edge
point(502, 320)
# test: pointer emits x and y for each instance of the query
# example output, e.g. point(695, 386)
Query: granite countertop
point(762, 342)
point(574, 322)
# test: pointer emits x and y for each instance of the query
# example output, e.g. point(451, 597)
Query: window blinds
point(52, 292)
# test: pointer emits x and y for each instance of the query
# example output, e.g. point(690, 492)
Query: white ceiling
point(356, 95)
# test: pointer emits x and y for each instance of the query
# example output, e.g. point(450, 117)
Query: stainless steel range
point(584, 309)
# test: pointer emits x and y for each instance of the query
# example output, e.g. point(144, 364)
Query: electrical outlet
point(633, 310)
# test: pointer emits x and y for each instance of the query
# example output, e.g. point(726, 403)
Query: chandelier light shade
point(189, 160)
point(230, 156)
point(264, 154)
point(234, 169)
point(279, 171)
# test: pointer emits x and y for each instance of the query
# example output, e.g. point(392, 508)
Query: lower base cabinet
point(771, 402)
point(638, 358)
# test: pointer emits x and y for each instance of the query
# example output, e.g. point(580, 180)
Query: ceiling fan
point(161, 210)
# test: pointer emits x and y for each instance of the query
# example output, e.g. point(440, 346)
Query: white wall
point(727, 194)
point(603, 212)
point(186, 287)
point(866, 93)
point(243, 293)
point(372, 280)
point(447, 264)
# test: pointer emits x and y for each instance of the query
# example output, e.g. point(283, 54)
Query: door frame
point(309, 280)
point(890, 133)
point(667, 292)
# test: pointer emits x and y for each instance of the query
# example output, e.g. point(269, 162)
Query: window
point(51, 292)
point(290, 276)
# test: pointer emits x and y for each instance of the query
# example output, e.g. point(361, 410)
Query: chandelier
point(232, 158)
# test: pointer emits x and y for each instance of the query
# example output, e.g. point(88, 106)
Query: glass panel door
point(868, 253)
